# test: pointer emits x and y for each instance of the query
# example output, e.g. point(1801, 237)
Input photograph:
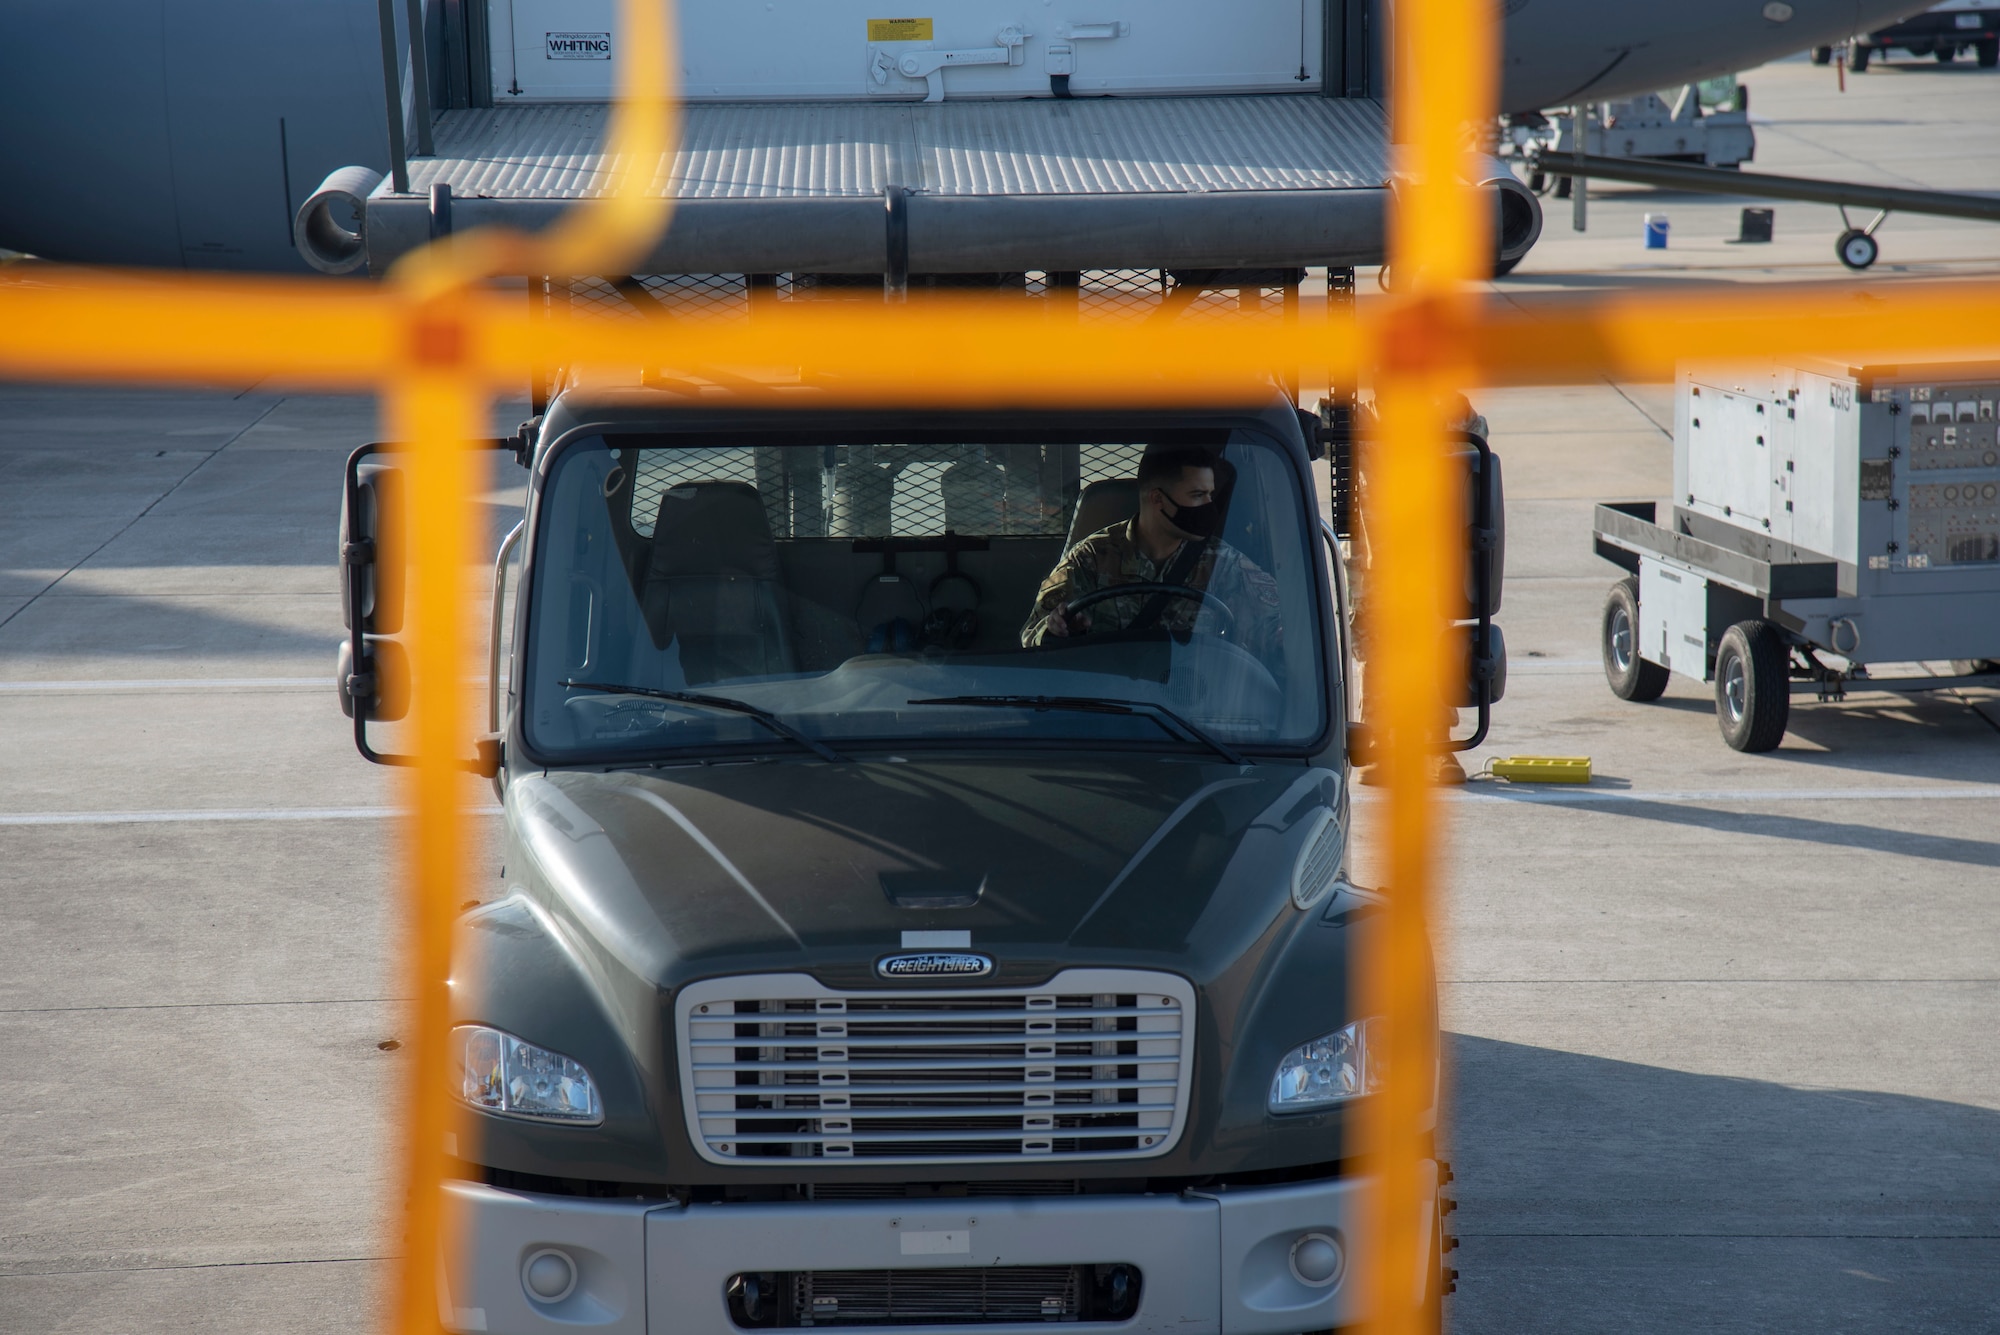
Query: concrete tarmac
point(1721, 1027)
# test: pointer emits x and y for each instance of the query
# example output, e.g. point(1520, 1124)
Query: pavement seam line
point(1619, 390)
point(40, 593)
point(196, 1265)
point(201, 1005)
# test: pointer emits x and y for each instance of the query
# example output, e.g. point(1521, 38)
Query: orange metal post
point(439, 406)
point(1439, 247)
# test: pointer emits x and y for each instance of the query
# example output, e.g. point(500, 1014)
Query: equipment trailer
point(1849, 514)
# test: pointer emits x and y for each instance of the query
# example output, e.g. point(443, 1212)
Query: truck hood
point(702, 869)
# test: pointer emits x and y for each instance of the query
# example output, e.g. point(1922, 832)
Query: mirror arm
point(491, 752)
point(1485, 720)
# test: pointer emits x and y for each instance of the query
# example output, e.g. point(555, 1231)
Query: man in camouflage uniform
point(1177, 506)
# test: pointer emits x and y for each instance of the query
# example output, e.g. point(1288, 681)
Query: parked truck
point(1942, 32)
point(924, 835)
point(871, 951)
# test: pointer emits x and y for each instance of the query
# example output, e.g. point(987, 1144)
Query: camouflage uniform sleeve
point(1074, 576)
point(1252, 594)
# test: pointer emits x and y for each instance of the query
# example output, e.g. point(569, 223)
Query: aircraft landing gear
point(1857, 249)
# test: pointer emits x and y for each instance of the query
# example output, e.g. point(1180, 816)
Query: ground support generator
point(1827, 522)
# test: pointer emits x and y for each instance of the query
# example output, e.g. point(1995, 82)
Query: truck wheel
point(1857, 57)
point(1753, 686)
point(1857, 249)
point(1822, 55)
point(1946, 54)
point(1631, 677)
point(1989, 52)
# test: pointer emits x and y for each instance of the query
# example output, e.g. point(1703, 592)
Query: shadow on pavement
point(1805, 829)
point(1601, 1195)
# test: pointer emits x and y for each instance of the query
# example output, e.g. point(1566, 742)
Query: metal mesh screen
point(867, 491)
point(1100, 295)
point(681, 296)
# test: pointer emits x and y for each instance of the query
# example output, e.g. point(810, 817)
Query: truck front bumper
point(1212, 1263)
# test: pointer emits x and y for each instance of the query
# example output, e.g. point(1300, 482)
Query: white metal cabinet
point(568, 50)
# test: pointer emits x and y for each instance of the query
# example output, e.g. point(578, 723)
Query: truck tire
point(1945, 53)
point(1753, 686)
point(1822, 55)
point(1630, 676)
point(1988, 49)
point(1857, 57)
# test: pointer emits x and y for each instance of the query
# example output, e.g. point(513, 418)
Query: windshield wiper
point(723, 702)
point(1093, 704)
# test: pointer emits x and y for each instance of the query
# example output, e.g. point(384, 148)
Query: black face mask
point(1203, 521)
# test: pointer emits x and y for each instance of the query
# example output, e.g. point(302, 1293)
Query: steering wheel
point(1201, 596)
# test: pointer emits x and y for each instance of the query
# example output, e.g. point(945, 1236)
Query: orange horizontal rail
point(307, 334)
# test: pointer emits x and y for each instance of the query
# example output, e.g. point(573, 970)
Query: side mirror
point(1360, 745)
point(372, 675)
point(377, 688)
point(1481, 648)
point(1315, 430)
point(1486, 529)
point(374, 554)
point(1480, 653)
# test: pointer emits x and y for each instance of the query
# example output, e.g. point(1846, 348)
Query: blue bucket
point(1656, 231)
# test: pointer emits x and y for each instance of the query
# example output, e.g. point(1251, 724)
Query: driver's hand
point(1064, 623)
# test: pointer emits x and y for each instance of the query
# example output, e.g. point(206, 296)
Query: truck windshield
point(1152, 593)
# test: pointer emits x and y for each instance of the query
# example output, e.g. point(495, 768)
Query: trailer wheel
point(1857, 249)
point(1753, 686)
point(1822, 55)
point(1988, 49)
point(1630, 676)
point(1857, 56)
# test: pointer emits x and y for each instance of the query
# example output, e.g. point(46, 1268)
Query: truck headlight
point(500, 1073)
point(1331, 1069)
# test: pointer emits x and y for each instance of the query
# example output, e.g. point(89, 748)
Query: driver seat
point(1103, 503)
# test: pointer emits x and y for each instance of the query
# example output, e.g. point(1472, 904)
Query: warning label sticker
point(899, 30)
point(579, 45)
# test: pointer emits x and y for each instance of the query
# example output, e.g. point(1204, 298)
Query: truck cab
point(868, 954)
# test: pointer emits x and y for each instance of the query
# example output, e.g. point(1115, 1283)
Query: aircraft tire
point(1857, 249)
point(1822, 55)
point(1857, 57)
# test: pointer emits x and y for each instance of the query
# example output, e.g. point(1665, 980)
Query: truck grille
point(966, 1295)
point(1092, 1065)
